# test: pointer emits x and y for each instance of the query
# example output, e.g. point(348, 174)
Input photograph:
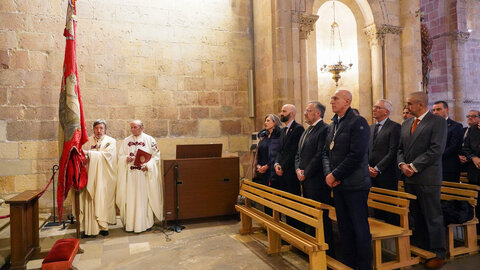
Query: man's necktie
point(375, 131)
point(305, 136)
point(414, 126)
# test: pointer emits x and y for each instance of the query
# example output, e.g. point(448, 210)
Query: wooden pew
point(463, 177)
point(463, 192)
point(304, 210)
point(468, 193)
point(397, 203)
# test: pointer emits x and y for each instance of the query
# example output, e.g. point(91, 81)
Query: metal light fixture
point(335, 38)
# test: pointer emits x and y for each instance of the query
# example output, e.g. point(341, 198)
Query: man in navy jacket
point(450, 159)
point(345, 165)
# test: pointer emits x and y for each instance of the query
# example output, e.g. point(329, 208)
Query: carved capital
point(307, 24)
point(390, 29)
point(376, 34)
point(375, 37)
point(461, 36)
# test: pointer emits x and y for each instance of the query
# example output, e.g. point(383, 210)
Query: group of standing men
point(115, 179)
point(348, 157)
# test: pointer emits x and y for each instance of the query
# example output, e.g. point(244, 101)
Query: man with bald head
point(345, 165)
point(285, 161)
point(139, 188)
point(422, 142)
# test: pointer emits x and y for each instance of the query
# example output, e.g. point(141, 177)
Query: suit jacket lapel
point(406, 136)
point(310, 132)
point(386, 126)
point(418, 130)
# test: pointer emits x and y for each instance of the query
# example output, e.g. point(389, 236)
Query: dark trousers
point(429, 231)
point(474, 179)
point(322, 195)
point(273, 184)
point(389, 182)
point(289, 183)
point(451, 176)
point(352, 217)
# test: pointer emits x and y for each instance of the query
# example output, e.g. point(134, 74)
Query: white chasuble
point(97, 199)
point(139, 193)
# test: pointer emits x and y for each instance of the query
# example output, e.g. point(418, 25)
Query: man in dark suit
point(471, 150)
point(285, 161)
point(383, 147)
point(473, 118)
point(345, 165)
point(308, 166)
point(450, 160)
point(382, 153)
point(422, 142)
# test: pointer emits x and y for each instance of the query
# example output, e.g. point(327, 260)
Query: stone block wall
point(180, 66)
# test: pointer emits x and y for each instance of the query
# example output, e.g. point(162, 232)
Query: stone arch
point(366, 13)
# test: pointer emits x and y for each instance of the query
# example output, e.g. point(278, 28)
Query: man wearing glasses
point(471, 151)
point(473, 119)
point(382, 152)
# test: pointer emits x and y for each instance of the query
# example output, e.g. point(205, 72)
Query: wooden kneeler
point(61, 256)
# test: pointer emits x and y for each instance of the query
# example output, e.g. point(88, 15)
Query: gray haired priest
point(97, 199)
point(139, 188)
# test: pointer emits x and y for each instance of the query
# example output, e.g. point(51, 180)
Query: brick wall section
point(473, 56)
point(443, 18)
point(436, 21)
point(180, 66)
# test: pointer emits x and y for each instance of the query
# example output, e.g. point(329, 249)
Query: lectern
point(206, 186)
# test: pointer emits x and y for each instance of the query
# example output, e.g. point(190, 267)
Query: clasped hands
point(262, 169)
point(278, 170)
point(373, 172)
point(476, 161)
point(143, 167)
point(331, 180)
point(407, 170)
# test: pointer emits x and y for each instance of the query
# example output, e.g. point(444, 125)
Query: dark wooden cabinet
point(207, 187)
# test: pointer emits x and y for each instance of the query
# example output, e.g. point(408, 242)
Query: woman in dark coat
point(267, 150)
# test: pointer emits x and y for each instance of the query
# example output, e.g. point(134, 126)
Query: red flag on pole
point(72, 133)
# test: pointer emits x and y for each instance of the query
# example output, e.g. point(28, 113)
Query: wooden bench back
point(302, 209)
point(392, 201)
point(455, 191)
point(460, 193)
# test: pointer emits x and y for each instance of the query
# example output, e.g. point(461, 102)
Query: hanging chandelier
point(337, 66)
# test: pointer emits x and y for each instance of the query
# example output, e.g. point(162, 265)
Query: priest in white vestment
point(97, 199)
point(139, 188)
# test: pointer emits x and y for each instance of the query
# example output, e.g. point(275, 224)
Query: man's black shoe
point(104, 233)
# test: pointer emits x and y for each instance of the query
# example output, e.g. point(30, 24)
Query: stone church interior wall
point(180, 66)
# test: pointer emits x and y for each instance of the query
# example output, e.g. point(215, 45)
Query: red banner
point(72, 133)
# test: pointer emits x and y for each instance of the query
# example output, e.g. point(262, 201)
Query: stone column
point(459, 75)
point(376, 40)
point(307, 24)
point(411, 46)
point(283, 79)
point(392, 71)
